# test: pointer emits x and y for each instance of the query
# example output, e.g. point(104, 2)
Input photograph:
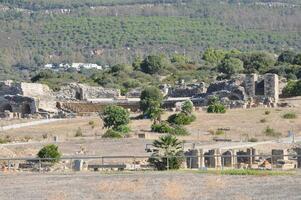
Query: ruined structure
point(242, 91)
point(83, 92)
point(241, 158)
point(22, 99)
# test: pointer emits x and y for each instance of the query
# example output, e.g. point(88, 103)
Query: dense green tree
point(287, 57)
point(293, 88)
point(150, 103)
point(297, 59)
point(50, 151)
point(214, 56)
point(257, 62)
point(154, 64)
point(115, 116)
point(231, 66)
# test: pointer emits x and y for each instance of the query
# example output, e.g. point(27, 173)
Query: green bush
point(271, 132)
point(253, 140)
point(79, 132)
point(163, 127)
point(290, 115)
point(179, 131)
point(187, 107)
point(219, 132)
point(263, 121)
point(114, 116)
point(112, 134)
point(267, 112)
point(293, 88)
point(216, 108)
point(122, 129)
point(50, 151)
point(181, 119)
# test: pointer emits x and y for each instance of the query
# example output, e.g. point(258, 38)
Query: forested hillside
point(36, 32)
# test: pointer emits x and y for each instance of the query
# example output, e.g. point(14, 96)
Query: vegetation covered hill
point(36, 32)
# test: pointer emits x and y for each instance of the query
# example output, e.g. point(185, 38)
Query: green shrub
point(187, 107)
point(163, 127)
point(216, 108)
point(79, 132)
point(271, 132)
point(267, 112)
point(114, 116)
point(181, 119)
point(92, 123)
point(179, 131)
point(253, 140)
point(290, 115)
point(263, 121)
point(50, 151)
point(293, 88)
point(5, 140)
point(112, 134)
point(220, 132)
point(122, 129)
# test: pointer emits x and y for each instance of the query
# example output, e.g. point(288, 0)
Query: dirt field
point(148, 185)
point(243, 123)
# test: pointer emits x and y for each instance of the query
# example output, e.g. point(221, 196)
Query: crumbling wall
point(84, 92)
point(187, 90)
point(271, 86)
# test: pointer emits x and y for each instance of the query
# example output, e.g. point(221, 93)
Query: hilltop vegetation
point(36, 32)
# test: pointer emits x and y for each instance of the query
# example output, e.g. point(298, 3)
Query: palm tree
point(170, 153)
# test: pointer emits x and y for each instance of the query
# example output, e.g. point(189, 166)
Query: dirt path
point(28, 124)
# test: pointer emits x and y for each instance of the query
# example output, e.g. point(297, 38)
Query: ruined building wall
point(271, 86)
point(250, 84)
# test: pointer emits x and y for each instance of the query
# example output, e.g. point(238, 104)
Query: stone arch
point(242, 157)
point(26, 109)
point(227, 159)
point(7, 107)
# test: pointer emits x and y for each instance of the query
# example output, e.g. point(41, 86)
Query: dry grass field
point(148, 185)
point(243, 123)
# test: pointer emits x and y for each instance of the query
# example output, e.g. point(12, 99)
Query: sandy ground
point(243, 123)
point(148, 185)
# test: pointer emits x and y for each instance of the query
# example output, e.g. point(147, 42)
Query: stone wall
point(84, 92)
point(271, 86)
point(250, 84)
point(187, 90)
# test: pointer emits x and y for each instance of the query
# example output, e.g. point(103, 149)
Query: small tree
point(50, 151)
point(231, 66)
point(187, 107)
point(153, 64)
point(115, 116)
point(170, 153)
point(150, 103)
point(215, 106)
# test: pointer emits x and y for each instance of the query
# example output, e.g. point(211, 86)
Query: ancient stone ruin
point(26, 99)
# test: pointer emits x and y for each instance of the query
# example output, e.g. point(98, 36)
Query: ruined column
point(249, 153)
point(201, 158)
point(271, 86)
point(254, 155)
point(218, 159)
point(250, 84)
point(233, 158)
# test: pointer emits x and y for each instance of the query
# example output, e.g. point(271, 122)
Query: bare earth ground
point(243, 124)
point(148, 185)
